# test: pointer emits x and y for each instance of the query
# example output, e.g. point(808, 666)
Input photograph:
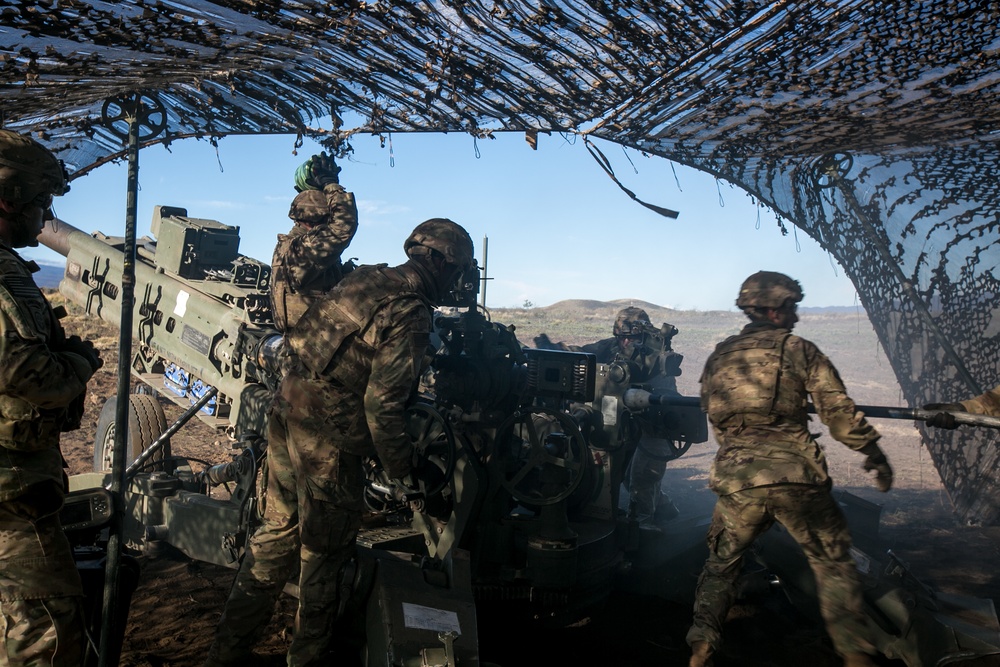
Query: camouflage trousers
point(644, 483)
point(41, 612)
point(812, 517)
point(311, 522)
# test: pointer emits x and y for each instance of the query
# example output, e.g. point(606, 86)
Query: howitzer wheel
point(543, 456)
point(434, 444)
point(146, 422)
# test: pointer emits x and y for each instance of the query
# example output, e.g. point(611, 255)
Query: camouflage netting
point(870, 125)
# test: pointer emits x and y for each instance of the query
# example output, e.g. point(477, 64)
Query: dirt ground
point(178, 602)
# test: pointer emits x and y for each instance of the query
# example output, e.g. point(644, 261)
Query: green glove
point(316, 172)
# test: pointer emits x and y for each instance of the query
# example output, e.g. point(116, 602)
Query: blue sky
point(558, 227)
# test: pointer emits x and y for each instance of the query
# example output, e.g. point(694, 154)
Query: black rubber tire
point(146, 421)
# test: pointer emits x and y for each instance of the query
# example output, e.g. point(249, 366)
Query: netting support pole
point(878, 242)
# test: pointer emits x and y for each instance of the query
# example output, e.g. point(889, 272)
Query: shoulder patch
point(24, 304)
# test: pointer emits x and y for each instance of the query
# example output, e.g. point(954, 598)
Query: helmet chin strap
point(22, 233)
point(428, 275)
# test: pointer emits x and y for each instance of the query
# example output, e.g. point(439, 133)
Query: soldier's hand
point(883, 471)
point(85, 349)
point(944, 418)
point(316, 172)
point(543, 342)
point(325, 170)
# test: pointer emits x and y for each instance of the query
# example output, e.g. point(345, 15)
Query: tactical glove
point(80, 365)
point(944, 419)
point(85, 349)
point(875, 460)
point(316, 172)
point(543, 342)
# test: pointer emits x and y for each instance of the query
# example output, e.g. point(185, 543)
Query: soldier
point(43, 376)
point(357, 355)
point(769, 467)
point(648, 502)
point(306, 263)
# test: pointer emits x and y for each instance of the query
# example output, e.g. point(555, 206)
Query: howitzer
point(203, 324)
point(638, 398)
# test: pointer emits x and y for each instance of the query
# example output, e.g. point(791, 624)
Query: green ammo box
point(190, 247)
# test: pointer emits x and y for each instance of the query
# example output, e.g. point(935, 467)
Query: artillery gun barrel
point(56, 235)
point(638, 399)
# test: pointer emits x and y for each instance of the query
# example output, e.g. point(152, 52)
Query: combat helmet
point(631, 321)
point(28, 169)
point(310, 207)
point(443, 235)
point(768, 289)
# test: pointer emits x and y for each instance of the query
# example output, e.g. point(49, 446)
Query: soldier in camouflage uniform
point(43, 376)
point(356, 358)
point(769, 467)
point(306, 263)
point(648, 502)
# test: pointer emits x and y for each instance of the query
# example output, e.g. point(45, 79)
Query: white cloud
point(375, 208)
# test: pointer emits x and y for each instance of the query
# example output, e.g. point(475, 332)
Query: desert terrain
point(178, 601)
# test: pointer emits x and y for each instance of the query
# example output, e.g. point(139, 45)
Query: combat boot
point(701, 655)
point(858, 660)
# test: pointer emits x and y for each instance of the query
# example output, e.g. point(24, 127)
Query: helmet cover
point(444, 236)
point(631, 321)
point(768, 289)
point(28, 169)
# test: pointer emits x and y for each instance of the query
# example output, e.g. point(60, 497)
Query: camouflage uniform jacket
point(755, 388)
point(605, 350)
point(306, 262)
point(984, 404)
point(37, 382)
point(367, 338)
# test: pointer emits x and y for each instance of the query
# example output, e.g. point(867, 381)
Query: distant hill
point(49, 275)
point(832, 310)
point(645, 305)
point(568, 306)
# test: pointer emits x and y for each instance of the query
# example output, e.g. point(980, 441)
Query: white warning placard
point(180, 307)
point(427, 618)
